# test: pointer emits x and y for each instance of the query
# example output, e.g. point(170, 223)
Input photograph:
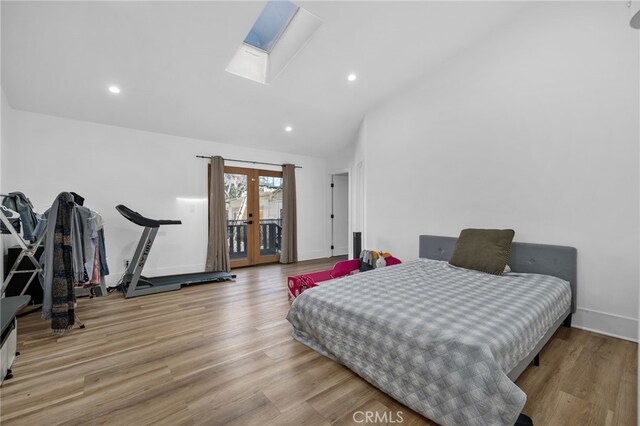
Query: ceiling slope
point(169, 60)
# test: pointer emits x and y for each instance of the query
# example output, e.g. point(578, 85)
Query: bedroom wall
point(4, 120)
point(351, 160)
point(534, 128)
point(155, 174)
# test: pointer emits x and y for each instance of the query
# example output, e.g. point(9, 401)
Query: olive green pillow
point(485, 250)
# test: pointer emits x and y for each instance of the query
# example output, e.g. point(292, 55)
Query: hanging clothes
point(100, 248)
point(73, 253)
point(59, 296)
point(95, 272)
point(84, 243)
point(104, 267)
point(95, 258)
point(78, 199)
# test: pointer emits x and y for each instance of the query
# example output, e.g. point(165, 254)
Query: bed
point(445, 341)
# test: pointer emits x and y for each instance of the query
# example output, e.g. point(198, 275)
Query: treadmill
point(135, 284)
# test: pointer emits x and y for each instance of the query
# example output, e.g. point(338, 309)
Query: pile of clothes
point(371, 259)
point(18, 202)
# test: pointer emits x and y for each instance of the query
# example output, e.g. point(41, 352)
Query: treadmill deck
point(189, 279)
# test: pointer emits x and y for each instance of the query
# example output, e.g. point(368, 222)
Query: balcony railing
point(270, 238)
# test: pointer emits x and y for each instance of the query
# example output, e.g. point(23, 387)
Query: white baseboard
point(340, 251)
point(112, 279)
point(311, 255)
point(608, 324)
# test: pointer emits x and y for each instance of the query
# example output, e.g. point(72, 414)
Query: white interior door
point(340, 219)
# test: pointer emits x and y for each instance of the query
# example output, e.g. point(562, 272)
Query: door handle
point(248, 222)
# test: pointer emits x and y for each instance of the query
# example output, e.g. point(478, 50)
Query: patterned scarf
point(62, 309)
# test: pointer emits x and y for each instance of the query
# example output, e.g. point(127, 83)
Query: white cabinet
point(8, 351)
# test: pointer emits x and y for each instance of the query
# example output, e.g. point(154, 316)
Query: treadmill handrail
point(138, 219)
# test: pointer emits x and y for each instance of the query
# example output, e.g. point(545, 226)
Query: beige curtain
point(217, 249)
point(289, 251)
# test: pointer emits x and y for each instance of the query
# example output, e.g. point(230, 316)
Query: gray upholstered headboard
point(558, 261)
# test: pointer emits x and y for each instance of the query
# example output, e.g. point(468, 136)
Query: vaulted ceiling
point(169, 60)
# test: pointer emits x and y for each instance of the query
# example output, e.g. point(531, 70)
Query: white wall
point(4, 106)
point(4, 120)
point(340, 214)
point(147, 172)
point(352, 160)
point(535, 129)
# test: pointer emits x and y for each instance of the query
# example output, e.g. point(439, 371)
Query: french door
point(253, 201)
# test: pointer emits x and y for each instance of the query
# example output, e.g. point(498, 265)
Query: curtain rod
point(247, 161)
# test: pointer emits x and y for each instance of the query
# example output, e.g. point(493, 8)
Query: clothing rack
point(247, 161)
point(27, 250)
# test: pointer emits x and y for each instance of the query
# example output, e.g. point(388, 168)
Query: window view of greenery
point(269, 214)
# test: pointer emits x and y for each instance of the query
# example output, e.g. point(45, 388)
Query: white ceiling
point(169, 59)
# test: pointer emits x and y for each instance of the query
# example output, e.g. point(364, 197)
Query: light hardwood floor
point(222, 354)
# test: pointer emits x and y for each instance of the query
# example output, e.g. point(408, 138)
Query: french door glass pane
point(235, 190)
point(270, 188)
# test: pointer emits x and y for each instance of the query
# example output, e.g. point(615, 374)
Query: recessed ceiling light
point(288, 129)
point(352, 77)
point(114, 89)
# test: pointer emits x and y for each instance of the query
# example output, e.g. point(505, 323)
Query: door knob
point(248, 222)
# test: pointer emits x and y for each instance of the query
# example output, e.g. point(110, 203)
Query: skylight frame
point(262, 66)
point(276, 39)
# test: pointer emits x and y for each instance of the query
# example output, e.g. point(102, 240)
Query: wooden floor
point(222, 354)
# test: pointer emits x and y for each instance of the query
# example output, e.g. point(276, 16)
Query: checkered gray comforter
point(439, 339)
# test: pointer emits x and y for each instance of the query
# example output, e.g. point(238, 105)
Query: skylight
point(270, 25)
point(280, 32)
